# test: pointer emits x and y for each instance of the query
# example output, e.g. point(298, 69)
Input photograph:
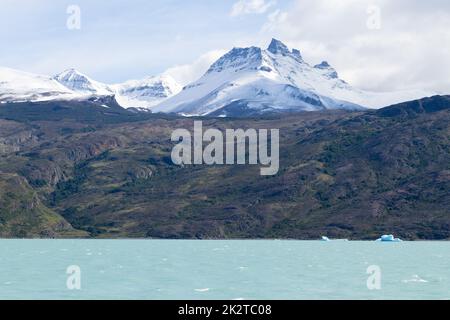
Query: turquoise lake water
point(163, 269)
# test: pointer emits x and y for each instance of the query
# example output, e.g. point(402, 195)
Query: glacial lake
point(165, 269)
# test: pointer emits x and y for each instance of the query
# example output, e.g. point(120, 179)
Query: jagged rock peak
point(238, 58)
point(331, 72)
point(278, 47)
point(322, 65)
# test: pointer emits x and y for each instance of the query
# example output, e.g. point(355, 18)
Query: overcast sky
point(373, 44)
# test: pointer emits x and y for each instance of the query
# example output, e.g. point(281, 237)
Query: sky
point(378, 45)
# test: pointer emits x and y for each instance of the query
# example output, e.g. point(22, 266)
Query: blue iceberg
point(389, 238)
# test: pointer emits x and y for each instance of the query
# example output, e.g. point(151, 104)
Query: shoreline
point(209, 240)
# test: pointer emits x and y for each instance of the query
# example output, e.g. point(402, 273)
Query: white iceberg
point(389, 238)
point(328, 239)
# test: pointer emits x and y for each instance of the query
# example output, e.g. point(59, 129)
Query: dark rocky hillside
point(356, 175)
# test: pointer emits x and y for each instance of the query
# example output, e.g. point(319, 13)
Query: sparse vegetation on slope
point(342, 174)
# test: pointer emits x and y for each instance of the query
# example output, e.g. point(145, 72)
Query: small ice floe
point(328, 239)
point(389, 238)
point(202, 290)
point(415, 278)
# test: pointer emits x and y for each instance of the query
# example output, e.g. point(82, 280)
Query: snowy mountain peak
point(160, 87)
point(146, 93)
point(80, 83)
point(238, 59)
point(253, 58)
point(278, 47)
point(71, 77)
point(253, 81)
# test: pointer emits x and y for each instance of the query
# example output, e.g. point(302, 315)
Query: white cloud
point(275, 19)
point(409, 50)
point(184, 74)
point(251, 7)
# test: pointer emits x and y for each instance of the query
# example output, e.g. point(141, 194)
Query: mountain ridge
point(252, 79)
point(257, 78)
point(352, 175)
point(277, 79)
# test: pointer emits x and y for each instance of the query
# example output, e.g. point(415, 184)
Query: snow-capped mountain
point(146, 93)
point(139, 94)
point(80, 83)
point(18, 86)
point(244, 81)
point(249, 80)
point(261, 80)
